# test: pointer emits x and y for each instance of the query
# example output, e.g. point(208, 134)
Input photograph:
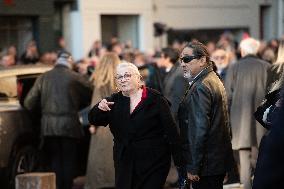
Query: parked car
point(19, 129)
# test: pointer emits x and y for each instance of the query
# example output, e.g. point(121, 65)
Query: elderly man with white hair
point(246, 86)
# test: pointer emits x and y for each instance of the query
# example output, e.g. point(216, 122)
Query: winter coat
point(60, 93)
point(143, 140)
point(246, 84)
point(204, 126)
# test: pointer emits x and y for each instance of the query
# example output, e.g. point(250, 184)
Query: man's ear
point(202, 61)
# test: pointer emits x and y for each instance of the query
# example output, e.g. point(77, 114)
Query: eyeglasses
point(218, 57)
point(187, 59)
point(126, 76)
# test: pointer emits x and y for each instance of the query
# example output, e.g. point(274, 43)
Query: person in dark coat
point(150, 72)
point(60, 94)
point(144, 131)
point(173, 88)
point(31, 55)
point(265, 112)
point(203, 120)
point(174, 83)
point(270, 167)
point(246, 84)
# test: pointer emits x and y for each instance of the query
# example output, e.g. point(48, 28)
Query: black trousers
point(61, 157)
point(209, 182)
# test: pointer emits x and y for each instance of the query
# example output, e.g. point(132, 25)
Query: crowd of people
point(206, 105)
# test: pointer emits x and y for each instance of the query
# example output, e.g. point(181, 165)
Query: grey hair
point(130, 66)
point(250, 46)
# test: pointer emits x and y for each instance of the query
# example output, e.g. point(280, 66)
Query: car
point(19, 129)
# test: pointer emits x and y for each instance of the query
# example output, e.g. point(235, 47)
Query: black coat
point(204, 126)
point(142, 139)
point(174, 87)
point(269, 172)
point(60, 93)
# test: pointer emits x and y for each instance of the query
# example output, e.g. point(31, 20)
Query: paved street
point(79, 184)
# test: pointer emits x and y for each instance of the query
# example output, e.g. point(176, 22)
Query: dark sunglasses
point(187, 59)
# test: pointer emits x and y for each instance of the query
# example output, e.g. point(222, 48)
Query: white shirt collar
point(190, 82)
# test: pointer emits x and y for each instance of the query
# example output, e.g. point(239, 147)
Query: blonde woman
point(100, 169)
point(275, 74)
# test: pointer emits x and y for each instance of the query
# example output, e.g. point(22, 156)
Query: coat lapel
point(197, 79)
point(145, 103)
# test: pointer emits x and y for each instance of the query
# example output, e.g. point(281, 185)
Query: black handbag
point(269, 101)
point(183, 182)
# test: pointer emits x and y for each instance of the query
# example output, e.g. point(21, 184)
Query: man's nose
point(181, 64)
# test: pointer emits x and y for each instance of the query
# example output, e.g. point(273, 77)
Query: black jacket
point(204, 125)
point(60, 94)
point(269, 172)
point(143, 140)
point(174, 87)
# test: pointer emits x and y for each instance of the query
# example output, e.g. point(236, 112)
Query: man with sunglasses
point(203, 121)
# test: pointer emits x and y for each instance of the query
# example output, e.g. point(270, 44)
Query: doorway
point(17, 31)
point(125, 27)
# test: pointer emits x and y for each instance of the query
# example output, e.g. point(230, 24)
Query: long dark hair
point(200, 50)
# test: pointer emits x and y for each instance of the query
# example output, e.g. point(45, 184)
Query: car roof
point(24, 70)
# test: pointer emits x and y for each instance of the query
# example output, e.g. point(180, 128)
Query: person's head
point(82, 66)
point(169, 56)
point(128, 56)
point(12, 51)
point(268, 55)
point(139, 59)
point(65, 59)
point(128, 78)
point(61, 42)
point(114, 39)
point(280, 54)
point(116, 48)
point(31, 47)
point(211, 46)
point(249, 46)
point(194, 58)
point(104, 73)
point(221, 58)
point(274, 44)
point(176, 45)
point(8, 60)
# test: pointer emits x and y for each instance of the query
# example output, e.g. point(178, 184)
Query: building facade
point(24, 20)
point(81, 22)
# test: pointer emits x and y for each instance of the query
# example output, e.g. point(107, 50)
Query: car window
point(16, 87)
point(24, 85)
point(8, 87)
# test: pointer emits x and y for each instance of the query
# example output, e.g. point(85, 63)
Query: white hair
point(249, 46)
point(130, 66)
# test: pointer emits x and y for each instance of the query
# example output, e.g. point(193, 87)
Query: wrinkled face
point(220, 58)
point(190, 64)
point(127, 80)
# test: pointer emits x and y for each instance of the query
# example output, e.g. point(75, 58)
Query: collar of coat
point(250, 56)
point(152, 96)
point(61, 66)
point(203, 73)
